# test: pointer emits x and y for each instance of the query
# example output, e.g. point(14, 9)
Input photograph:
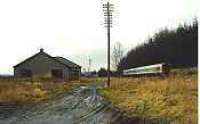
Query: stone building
point(42, 65)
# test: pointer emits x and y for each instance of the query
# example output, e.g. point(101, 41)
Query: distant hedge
point(178, 47)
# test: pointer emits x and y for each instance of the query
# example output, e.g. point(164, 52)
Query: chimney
point(41, 50)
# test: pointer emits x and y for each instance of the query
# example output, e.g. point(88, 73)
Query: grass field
point(169, 98)
point(27, 92)
point(23, 92)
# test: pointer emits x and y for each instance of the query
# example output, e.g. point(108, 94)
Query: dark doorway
point(26, 73)
point(74, 74)
point(57, 73)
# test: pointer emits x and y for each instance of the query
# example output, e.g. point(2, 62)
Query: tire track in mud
point(82, 106)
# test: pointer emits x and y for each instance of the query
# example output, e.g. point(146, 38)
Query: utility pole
point(108, 9)
point(89, 65)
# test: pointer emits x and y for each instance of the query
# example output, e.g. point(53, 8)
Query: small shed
point(42, 65)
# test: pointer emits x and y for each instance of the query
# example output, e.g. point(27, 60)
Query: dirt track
point(82, 105)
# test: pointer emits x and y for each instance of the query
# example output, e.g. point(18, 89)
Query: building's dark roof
point(67, 62)
point(60, 60)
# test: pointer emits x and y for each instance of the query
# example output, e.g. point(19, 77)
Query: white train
point(161, 68)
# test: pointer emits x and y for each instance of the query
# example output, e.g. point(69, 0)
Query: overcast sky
point(73, 28)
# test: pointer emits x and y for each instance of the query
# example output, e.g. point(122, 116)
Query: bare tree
point(117, 55)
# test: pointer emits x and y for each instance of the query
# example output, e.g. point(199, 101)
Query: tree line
point(177, 47)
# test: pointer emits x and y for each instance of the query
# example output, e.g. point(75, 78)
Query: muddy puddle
point(81, 106)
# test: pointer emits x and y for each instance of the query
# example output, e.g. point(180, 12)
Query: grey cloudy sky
point(73, 28)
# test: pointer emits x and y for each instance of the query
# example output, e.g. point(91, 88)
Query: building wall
point(75, 73)
point(41, 66)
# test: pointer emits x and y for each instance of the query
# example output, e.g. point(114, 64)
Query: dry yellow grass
point(92, 80)
point(24, 92)
point(173, 97)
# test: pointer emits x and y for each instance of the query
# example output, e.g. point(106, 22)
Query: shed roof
point(60, 60)
point(67, 62)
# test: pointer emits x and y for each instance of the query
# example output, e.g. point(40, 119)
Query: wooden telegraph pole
point(108, 9)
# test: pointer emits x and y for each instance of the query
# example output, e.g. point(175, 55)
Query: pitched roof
point(60, 60)
point(67, 62)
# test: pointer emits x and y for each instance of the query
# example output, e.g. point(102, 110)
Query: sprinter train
point(156, 69)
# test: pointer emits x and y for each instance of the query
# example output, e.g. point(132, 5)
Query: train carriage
point(156, 69)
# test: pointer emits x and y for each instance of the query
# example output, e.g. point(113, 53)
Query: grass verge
point(172, 98)
point(26, 92)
